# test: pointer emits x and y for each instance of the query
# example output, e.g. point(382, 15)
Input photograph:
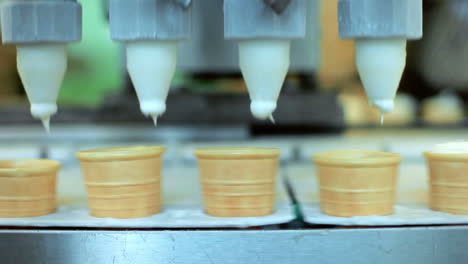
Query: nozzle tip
point(44, 112)
point(385, 105)
point(262, 109)
point(152, 107)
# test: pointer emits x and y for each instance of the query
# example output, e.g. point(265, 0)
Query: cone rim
point(237, 152)
point(429, 155)
point(356, 158)
point(26, 167)
point(120, 153)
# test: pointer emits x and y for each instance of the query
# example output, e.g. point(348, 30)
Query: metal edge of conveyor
point(414, 245)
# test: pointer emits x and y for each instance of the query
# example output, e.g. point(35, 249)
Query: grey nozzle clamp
point(380, 18)
point(41, 21)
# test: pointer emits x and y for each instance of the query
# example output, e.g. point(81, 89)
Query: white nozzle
point(42, 68)
point(151, 65)
point(381, 63)
point(264, 64)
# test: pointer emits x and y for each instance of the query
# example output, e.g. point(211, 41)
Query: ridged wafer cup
point(123, 182)
point(357, 182)
point(238, 182)
point(28, 187)
point(448, 182)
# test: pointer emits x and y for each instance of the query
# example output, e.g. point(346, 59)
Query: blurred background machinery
point(322, 91)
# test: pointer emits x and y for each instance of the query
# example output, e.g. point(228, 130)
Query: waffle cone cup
point(448, 182)
point(123, 182)
point(28, 187)
point(238, 182)
point(357, 182)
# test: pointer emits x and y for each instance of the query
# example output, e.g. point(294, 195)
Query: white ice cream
point(457, 147)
